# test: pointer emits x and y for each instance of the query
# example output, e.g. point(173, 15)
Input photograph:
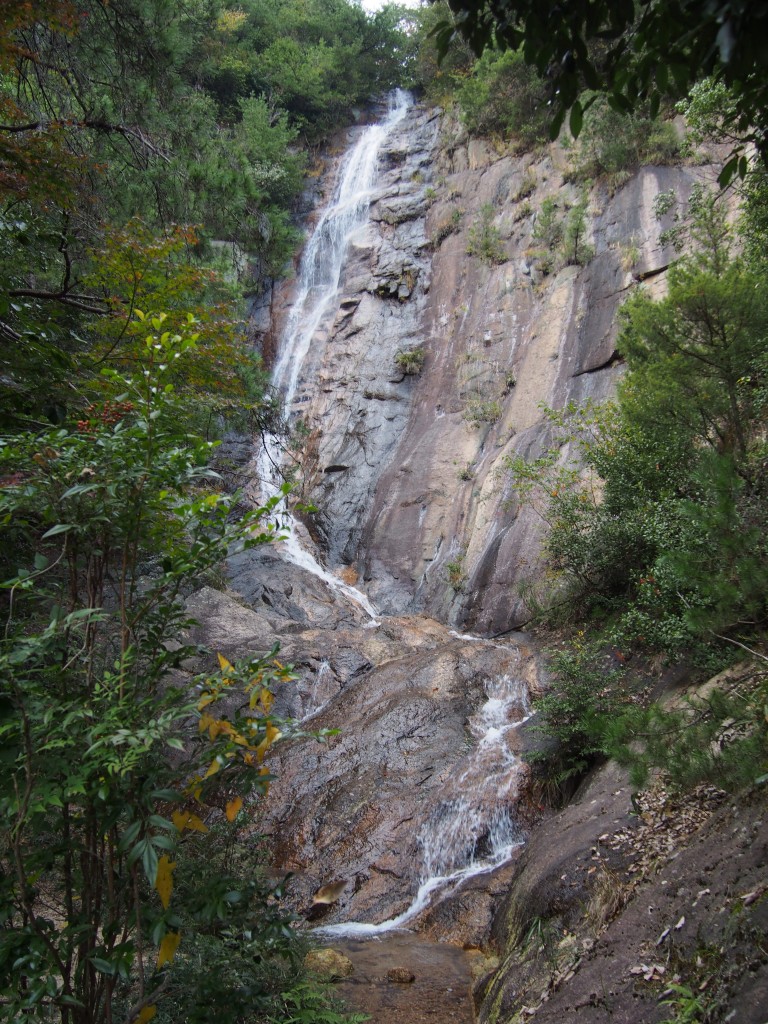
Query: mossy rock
point(328, 964)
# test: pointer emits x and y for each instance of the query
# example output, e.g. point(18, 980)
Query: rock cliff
point(453, 325)
point(406, 468)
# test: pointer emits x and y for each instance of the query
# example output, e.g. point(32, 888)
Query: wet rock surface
point(407, 470)
point(439, 992)
point(360, 806)
point(600, 914)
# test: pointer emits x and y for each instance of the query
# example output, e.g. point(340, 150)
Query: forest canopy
point(152, 159)
point(632, 53)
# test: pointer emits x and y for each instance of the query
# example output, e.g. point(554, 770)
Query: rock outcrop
point(407, 469)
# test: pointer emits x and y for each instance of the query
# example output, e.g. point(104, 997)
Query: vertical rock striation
point(407, 468)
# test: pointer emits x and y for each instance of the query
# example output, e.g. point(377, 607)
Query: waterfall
point(317, 290)
point(470, 831)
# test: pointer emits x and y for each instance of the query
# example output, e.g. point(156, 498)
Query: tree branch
point(76, 301)
point(136, 1009)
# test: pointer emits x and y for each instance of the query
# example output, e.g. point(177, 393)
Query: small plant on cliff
point(485, 240)
point(448, 227)
point(548, 228)
point(482, 410)
point(526, 187)
point(410, 361)
point(455, 573)
point(574, 247)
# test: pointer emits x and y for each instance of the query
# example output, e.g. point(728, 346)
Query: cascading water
point(471, 830)
point(318, 283)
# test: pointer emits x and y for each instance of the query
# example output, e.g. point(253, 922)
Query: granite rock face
point(356, 807)
point(407, 470)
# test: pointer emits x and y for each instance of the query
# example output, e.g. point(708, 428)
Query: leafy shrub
point(410, 361)
point(575, 249)
point(504, 96)
point(613, 145)
point(448, 227)
point(484, 239)
point(455, 574)
point(111, 519)
point(482, 410)
point(583, 694)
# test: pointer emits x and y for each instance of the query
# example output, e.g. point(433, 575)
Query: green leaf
point(727, 173)
point(104, 966)
point(149, 861)
point(59, 528)
point(576, 119)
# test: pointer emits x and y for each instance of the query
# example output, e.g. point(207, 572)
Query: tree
point(670, 541)
point(631, 52)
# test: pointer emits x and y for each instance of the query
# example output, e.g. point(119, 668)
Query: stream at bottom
point(439, 991)
point(398, 976)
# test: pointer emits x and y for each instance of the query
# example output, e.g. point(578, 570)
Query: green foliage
point(613, 144)
point(548, 228)
point(107, 522)
point(484, 239)
point(584, 693)
point(410, 361)
point(479, 410)
point(657, 528)
point(455, 574)
point(437, 74)
point(629, 57)
point(562, 235)
point(664, 528)
point(576, 251)
point(720, 737)
point(688, 1006)
point(504, 96)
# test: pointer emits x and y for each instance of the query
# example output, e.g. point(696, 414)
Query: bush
point(484, 239)
point(504, 96)
point(583, 694)
point(410, 361)
point(613, 145)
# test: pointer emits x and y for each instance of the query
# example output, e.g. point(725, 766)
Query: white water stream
point(317, 290)
point(471, 831)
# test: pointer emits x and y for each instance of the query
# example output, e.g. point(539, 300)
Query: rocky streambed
point(415, 370)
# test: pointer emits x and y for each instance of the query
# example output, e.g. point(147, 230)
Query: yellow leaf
point(205, 700)
point(214, 767)
point(272, 733)
point(146, 1014)
point(194, 823)
point(184, 819)
point(226, 666)
point(233, 808)
point(267, 699)
point(205, 721)
point(164, 880)
point(179, 819)
point(168, 948)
